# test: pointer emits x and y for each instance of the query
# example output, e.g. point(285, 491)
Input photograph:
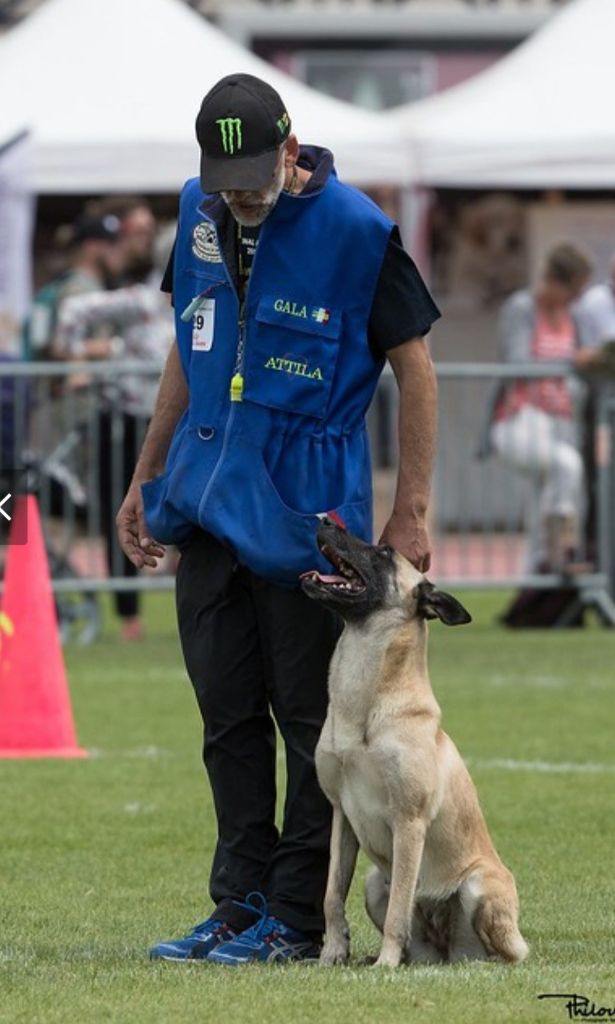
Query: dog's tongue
point(323, 579)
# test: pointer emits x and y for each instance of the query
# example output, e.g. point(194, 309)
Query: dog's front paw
point(392, 959)
point(334, 952)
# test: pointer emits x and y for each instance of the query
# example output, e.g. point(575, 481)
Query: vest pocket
point(246, 512)
point(288, 545)
point(291, 356)
point(164, 522)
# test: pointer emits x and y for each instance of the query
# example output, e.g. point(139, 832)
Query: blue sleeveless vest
point(275, 433)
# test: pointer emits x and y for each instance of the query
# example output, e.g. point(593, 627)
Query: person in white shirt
point(595, 312)
point(142, 319)
point(533, 428)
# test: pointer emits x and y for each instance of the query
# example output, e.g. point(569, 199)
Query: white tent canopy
point(110, 90)
point(541, 117)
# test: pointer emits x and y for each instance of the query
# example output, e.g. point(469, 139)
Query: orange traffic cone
point(35, 713)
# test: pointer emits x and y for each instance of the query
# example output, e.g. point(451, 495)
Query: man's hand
point(598, 362)
point(132, 532)
point(407, 533)
point(171, 402)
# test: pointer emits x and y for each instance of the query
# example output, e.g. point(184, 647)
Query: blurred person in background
point(143, 329)
point(15, 398)
point(595, 315)
point(137, 237)
point(533, 426)
point(94, 259)
point(595, 312)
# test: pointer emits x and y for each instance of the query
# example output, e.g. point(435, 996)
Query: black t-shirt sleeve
point(167, 277)
point(402, 307)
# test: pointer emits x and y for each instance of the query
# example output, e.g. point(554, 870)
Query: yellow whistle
point(237, 388)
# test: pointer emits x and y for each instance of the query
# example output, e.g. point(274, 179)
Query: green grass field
point(101, 858)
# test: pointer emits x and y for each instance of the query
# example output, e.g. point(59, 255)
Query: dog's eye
point(385, 550)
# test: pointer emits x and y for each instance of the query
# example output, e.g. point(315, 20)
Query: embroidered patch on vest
point(205, 243)
point(296, 367)
point(292, 308)
point(321, 315)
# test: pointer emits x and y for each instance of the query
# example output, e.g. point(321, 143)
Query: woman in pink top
point(533, 428)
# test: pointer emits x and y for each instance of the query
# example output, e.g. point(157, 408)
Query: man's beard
point(254, 212)
point(137, 269)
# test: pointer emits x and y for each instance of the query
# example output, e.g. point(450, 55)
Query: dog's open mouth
point(349, 580)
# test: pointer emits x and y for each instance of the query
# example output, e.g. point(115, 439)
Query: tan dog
point(399, 788)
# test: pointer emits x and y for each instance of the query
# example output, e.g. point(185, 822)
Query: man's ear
point(291, 150)
point(437, 604)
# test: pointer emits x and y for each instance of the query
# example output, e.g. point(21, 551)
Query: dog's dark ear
point(437, 604)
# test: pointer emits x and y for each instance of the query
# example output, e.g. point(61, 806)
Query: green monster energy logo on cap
point(230, 130)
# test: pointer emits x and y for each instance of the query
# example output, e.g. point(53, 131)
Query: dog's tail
point(495, 916)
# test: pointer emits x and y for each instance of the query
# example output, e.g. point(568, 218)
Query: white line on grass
point(549, 767)
point(501, 680)
point(147, 753)
point(508, 764)
point(138, 808)
point(540, 682)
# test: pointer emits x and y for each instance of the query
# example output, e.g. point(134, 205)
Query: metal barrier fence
point(64, 423)
point(480, 528)
point(213, 7)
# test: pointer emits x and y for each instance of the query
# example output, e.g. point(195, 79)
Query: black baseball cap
point(240, 127)
point(90, 227)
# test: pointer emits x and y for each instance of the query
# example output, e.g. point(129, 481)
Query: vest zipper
point(237, 381)
point(236, 386)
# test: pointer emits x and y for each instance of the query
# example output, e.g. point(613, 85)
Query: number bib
point(203, 326)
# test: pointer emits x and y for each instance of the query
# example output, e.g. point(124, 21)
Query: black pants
point(253, 649)
point(120, 437)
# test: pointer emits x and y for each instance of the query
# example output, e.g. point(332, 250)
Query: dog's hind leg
point(465, 943)
point(490, 906)
point(376, 897)
point(418, 948)
point(421, 947)
point(344, 850)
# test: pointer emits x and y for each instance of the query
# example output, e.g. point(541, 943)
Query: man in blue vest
point(289, 289)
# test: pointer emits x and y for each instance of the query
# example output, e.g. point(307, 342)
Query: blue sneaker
point(267, 941)
point(204, 938)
